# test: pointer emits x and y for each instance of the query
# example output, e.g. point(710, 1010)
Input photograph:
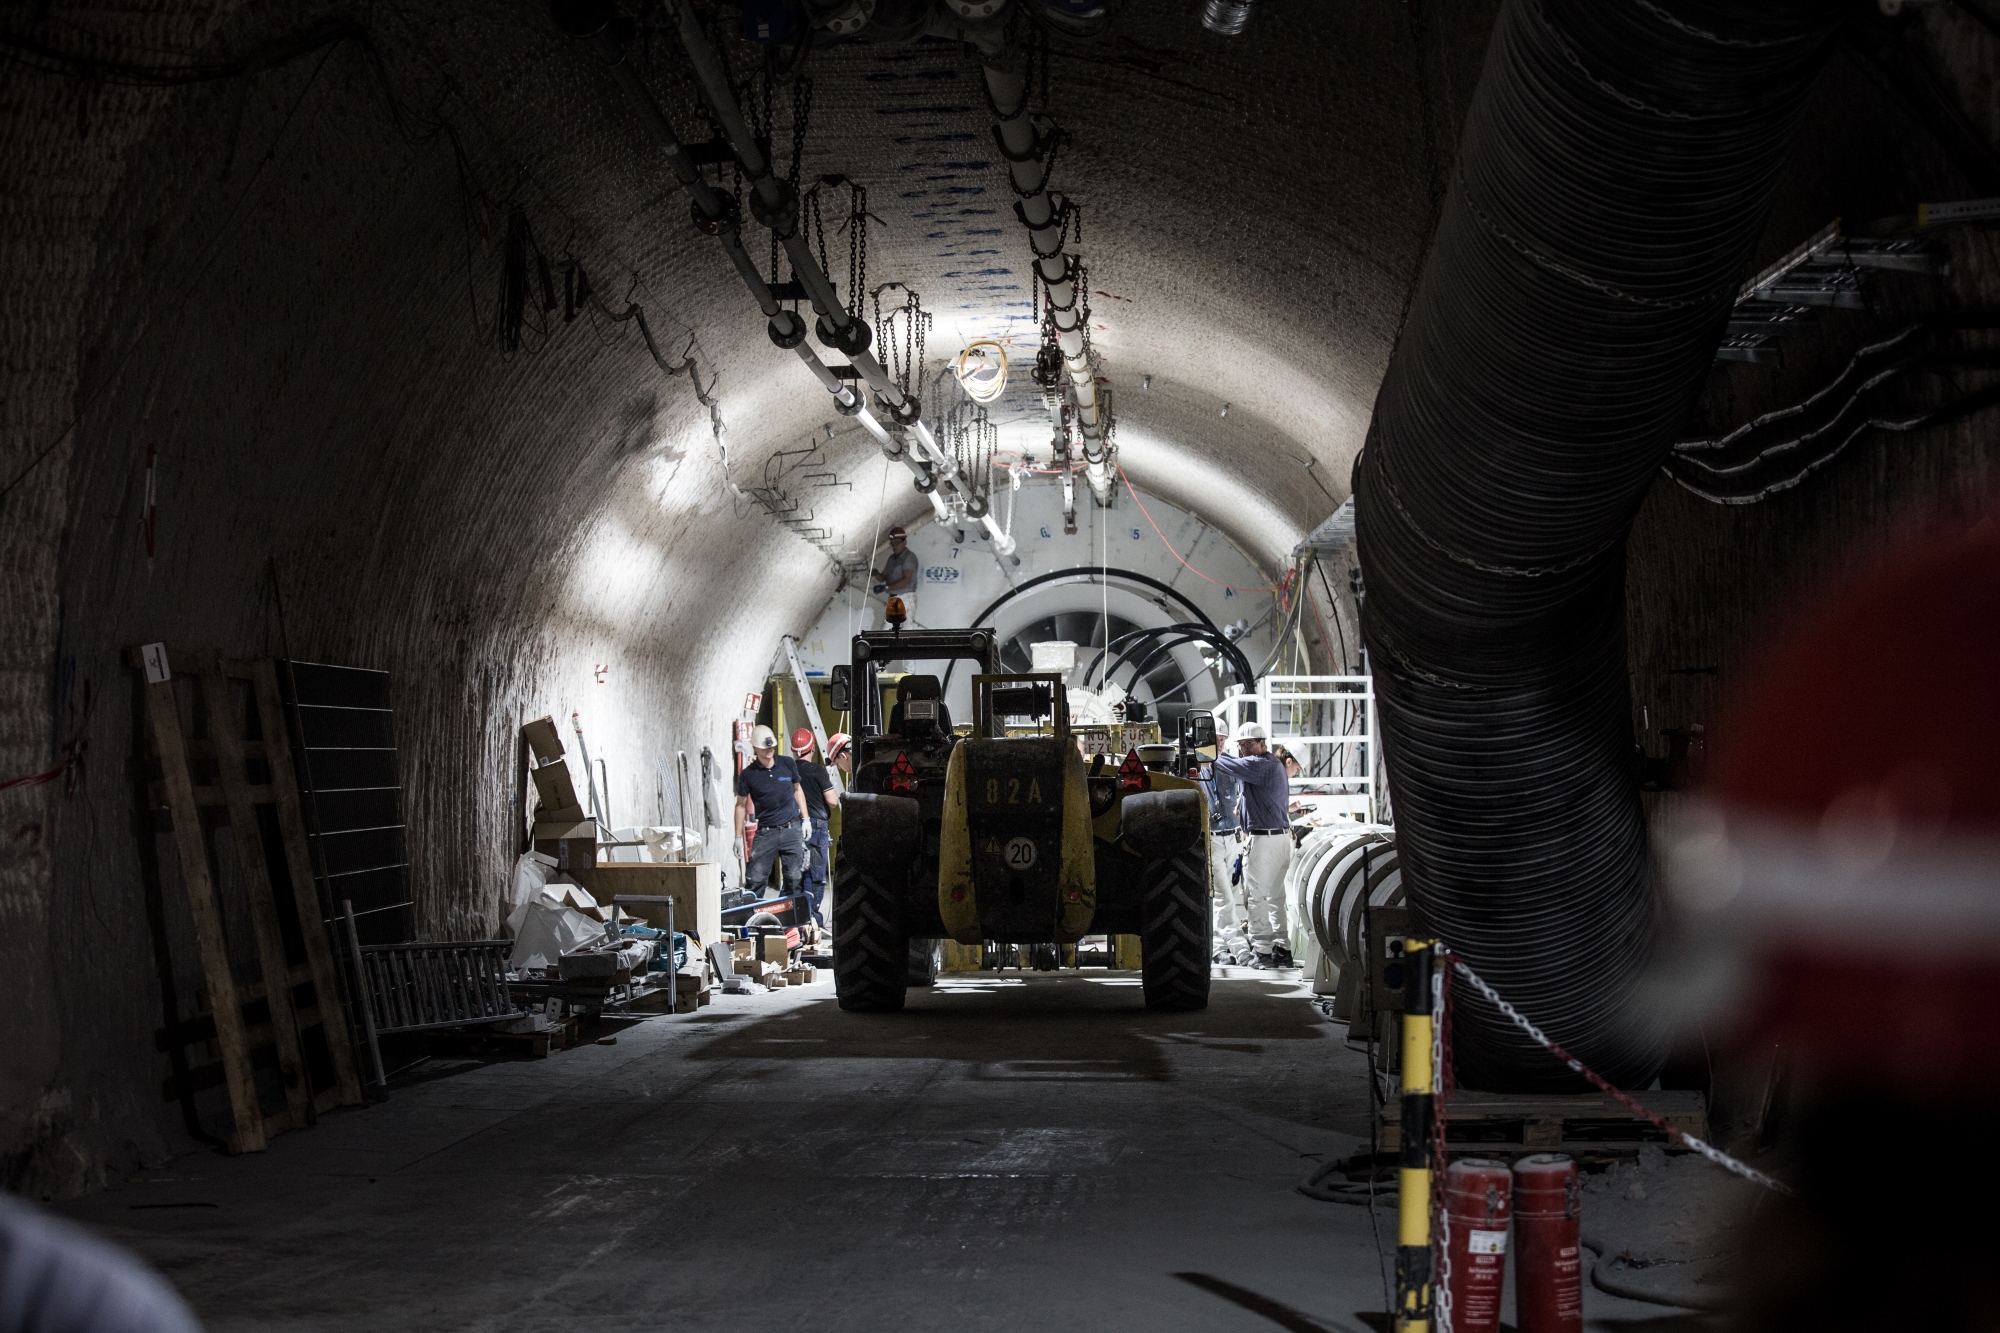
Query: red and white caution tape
point(1686, 1140)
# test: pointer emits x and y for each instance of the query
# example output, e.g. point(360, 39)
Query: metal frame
point(1278, 700)
point(986, 727)
point(872, 647)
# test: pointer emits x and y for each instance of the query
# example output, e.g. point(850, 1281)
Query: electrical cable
point(1733, 469)
point(1141, 502)
point(1615, 174)
point(1333, 604)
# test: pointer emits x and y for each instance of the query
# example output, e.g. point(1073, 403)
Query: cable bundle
point(1616, 168)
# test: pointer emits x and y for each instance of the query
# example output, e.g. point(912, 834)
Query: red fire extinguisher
point(1476, 1204)
point(1548, 1260)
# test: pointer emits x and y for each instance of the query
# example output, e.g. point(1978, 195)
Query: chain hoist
point(913, 323)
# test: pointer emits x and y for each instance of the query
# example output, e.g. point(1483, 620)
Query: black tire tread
point(1176, 932)
point(871, 953)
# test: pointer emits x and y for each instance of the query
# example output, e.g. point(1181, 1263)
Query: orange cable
point(1138, 500)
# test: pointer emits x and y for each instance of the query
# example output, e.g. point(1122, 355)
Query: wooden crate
point(1579, 1124)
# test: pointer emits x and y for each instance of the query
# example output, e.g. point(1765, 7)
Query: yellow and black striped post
point(1413, 1209)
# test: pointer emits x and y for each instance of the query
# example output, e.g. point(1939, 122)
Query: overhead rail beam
point(1029, 151)
point(775, 204)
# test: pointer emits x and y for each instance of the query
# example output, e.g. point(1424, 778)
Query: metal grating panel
point(412, 987)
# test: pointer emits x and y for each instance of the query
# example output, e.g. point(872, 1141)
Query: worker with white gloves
point(896, 578)
point(1225, 868)
point(769, 794)
point(1268, 850)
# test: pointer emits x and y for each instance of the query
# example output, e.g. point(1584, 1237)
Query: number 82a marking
point(1014, 794)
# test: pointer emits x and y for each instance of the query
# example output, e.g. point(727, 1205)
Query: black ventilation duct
point(1617, 165)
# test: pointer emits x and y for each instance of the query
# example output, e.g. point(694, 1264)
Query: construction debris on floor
point(591, 910)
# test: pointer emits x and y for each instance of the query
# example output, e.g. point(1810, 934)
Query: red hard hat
point(802, 741)
point(1844, 862)
point(836, 744)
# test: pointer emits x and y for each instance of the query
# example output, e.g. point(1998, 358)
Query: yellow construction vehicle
point(1001, 832)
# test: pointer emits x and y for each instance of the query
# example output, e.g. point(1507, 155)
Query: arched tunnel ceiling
point(1254, 210)
point(252, 399)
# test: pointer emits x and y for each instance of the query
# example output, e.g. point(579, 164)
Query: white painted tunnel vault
point(255, 318)
point(251, 326)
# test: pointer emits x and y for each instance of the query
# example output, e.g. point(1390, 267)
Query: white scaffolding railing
point(1327, 723)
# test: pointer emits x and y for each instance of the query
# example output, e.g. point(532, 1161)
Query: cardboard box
point(695, 887)
point(573, 844)
point(544, 741)
point(776, 951)
point(800, 976)
point(557, 795)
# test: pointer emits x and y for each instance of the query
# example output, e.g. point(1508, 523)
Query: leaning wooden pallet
point(237, 796)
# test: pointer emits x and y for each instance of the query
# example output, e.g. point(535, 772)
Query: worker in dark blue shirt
point(769, 795)
point(1267, 791)
point(821, 797)
point(1225, 874)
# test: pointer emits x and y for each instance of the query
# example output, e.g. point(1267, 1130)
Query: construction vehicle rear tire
point(1176, 932)
point(871, 940)
point(924, 962)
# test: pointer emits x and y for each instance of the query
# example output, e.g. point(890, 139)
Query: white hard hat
point(762, 737)
point(1251, 731)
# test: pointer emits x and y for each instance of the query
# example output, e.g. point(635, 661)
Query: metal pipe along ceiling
point(1617, 165)
point(778, 209)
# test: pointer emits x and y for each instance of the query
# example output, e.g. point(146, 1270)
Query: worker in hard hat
point(897, 578)
point(1225, 868)
point(821, 796)
point(770, 795)
point(1268, 852)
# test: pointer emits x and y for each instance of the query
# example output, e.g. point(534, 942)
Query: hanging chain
point(802, 100)
point(857, 250)
point(912, 322)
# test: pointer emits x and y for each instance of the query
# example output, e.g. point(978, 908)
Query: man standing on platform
point(897, 578)
point(821, 796)
point(1267, 791)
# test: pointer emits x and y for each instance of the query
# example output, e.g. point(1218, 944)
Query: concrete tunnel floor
point(1033, 1152)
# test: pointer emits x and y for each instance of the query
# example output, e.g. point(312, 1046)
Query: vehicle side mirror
point(840, 690)
point(1198, 729)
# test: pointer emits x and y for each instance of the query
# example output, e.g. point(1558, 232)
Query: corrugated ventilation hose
point(1617, 164)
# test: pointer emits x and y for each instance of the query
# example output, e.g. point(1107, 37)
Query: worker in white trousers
point(1225, 873)
point(1267, 854)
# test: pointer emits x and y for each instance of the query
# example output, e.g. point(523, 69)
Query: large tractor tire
point(871, 939)
point(1175, 931)
point(924, 962)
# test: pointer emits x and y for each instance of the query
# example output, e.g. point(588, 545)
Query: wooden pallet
point(229, 1004)
point(1582, 1125)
